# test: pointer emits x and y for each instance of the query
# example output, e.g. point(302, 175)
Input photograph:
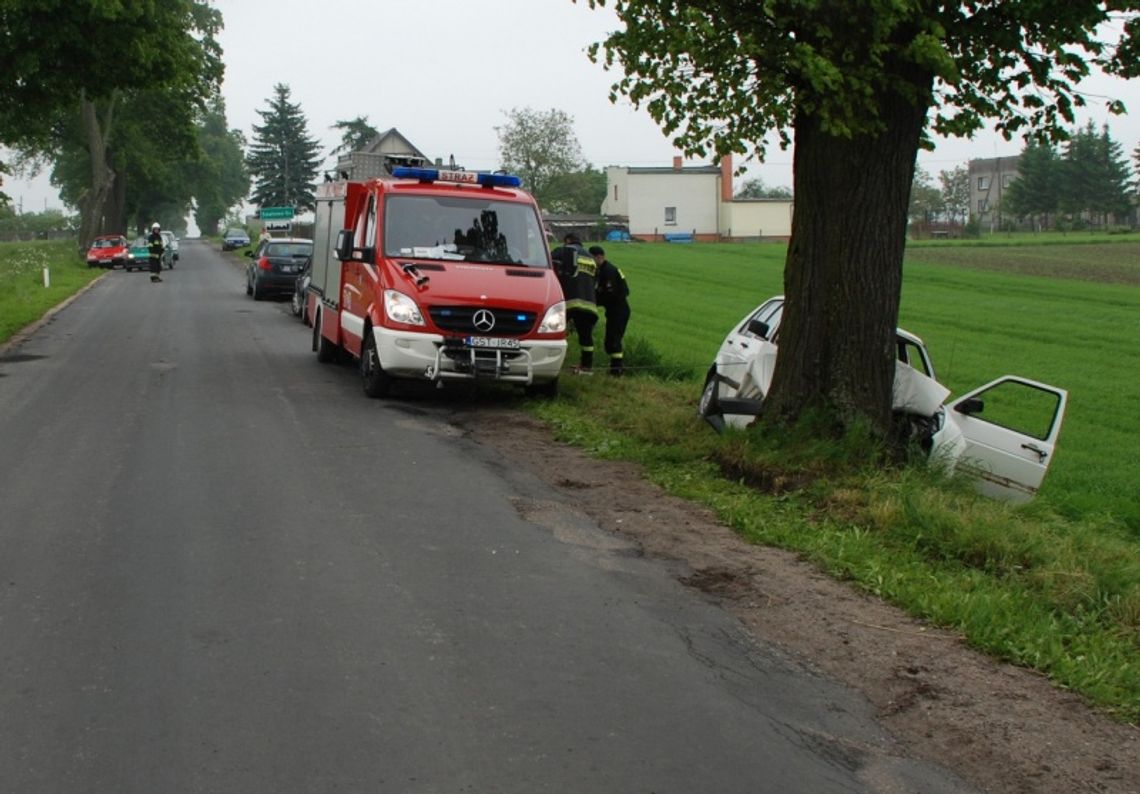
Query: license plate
point(492, 342)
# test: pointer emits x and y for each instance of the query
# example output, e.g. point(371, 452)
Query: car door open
point(1010, 428)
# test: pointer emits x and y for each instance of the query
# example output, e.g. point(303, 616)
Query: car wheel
point(296, 304)
point(707, 404)
point(376, 382)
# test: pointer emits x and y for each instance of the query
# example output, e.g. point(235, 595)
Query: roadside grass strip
point(23, 297)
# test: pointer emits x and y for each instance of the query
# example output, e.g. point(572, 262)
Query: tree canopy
point(68, 83)
point(539, 146)
point(283, 158)
point(355, 134)
point(860, 85)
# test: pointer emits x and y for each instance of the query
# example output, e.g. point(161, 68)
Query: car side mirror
point(974, 405)
point(759, 328)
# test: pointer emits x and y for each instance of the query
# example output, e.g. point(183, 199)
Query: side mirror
point(759, 328)
point(344, 244)
point(974, 405)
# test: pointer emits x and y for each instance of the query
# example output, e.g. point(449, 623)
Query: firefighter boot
point(616, 365)
point(586, 365)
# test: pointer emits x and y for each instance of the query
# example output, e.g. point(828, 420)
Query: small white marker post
point(47, 278)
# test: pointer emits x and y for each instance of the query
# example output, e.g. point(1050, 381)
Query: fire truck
point(436, 275)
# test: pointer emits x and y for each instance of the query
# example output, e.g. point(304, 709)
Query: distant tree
point(1094, 176)
point(926, 202)
point(755, 189)
point(218, 178)
point(5, 199)
point(956, 193)
point(283, 159)
point(859, 84)
point(152, 141)
point(539, 146)
point(1034, 194)
point(580, 192)
point(355, 134)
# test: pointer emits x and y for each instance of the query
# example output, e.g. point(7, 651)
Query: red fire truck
point(436, 275)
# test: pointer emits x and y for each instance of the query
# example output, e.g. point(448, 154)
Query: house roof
point(692, 169)
point(384, 141)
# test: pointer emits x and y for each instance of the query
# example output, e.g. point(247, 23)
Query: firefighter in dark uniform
point(613, 296)
point(155, 245)
point(576, 269)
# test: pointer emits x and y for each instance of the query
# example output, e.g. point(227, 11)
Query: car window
point(1020, 407)
point(769, 313)
point(910, 353)
point(289, 249)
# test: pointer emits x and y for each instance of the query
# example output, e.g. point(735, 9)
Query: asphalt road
point(223, 569)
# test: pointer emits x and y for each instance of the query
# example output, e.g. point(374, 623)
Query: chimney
point(726, 178)
point(677, 163)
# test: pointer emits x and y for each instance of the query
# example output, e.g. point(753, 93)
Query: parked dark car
point(300, 293)
point(275, 265)
point(234, 239)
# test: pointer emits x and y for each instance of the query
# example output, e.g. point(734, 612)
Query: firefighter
point(576, 269)
point(613, 296)
point(155, 245)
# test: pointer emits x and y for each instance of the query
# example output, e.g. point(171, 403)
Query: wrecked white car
point(1003, 434)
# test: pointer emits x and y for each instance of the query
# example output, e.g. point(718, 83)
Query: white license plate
point(492, 342)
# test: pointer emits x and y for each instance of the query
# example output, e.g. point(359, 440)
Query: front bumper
point(434, 358)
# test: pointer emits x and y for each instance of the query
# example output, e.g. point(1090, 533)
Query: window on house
point(983, 183)
point(983, 205)
point(670, 216)
point(615, 192)
point(1007, 179)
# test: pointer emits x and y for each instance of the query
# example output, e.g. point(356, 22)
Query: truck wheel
point(326, 350)
point(372, 376)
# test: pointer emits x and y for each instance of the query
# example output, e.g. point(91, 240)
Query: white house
point(691, 202)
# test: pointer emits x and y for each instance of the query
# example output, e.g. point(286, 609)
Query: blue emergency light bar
point(463, 177)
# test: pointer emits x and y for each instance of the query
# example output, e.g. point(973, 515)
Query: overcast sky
point(444, 71)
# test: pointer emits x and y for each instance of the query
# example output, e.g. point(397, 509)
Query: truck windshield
point(475, 229)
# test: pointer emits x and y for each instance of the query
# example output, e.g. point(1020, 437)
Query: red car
point(108, 250)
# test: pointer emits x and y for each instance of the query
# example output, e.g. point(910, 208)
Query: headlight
point(555, 320)
point(401, 309)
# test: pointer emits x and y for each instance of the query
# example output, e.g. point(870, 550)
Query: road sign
point(279, 226)
point(276, 213)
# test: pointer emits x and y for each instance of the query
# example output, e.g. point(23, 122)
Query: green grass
point(23, 297)
point(1054, 585)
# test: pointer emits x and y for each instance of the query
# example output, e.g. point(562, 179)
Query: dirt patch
point(1003, 728)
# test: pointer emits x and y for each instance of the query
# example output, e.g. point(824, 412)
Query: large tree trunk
point(843, 273)
point(94, 203)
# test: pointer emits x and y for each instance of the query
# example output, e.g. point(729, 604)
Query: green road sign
point(276, 213)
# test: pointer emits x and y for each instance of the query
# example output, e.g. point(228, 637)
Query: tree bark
point(843, 273)
point(94, 205)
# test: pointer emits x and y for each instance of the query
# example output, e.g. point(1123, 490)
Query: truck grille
point(461, 319)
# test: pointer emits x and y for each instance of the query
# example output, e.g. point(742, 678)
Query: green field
point(1068, 315)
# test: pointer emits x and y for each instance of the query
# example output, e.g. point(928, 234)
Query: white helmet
point(155, 227)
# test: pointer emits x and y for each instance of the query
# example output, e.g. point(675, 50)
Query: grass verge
point(23, 297)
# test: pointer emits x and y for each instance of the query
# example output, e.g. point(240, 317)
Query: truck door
point(1010, 427)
